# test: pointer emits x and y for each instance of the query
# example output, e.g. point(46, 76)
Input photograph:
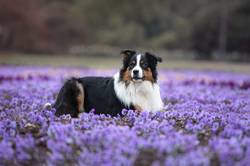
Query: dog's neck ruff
point(144, 94)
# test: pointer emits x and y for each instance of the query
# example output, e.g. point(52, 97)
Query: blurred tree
point(238, 28)
point(213, 27)
point(37, 26)
point(22, 26)
point(205, 26)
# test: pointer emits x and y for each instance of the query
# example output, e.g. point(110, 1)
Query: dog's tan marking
point(148, 75)
point(126, 77)
point(80, 98)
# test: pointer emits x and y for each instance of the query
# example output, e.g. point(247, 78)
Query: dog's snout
point(136, 72)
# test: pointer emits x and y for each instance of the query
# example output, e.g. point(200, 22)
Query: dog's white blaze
point(137, 67)
point(144, 94)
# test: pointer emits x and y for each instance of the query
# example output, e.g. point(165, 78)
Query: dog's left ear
point(153, 59)
point(127, 54)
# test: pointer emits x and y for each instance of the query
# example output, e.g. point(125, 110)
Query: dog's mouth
point(138, 79)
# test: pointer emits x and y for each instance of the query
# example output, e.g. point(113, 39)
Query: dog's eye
point(132, 64)
point(143, 64)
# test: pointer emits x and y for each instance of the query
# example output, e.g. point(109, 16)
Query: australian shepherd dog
point(133, 87)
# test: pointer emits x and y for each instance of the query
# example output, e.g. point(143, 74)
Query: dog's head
point(138, 67)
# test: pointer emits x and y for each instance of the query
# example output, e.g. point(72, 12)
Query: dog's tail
point(70, 98)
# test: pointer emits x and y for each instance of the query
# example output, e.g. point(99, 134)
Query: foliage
point(204, 26)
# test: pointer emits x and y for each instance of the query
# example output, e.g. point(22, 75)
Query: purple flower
point(205, 121)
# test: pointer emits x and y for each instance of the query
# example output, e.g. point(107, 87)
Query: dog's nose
point(136, 72)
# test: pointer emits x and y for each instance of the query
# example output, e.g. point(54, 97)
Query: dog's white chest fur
point(143, 94)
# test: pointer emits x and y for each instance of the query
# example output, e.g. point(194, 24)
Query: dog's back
point(88, 93)
point(100, 95)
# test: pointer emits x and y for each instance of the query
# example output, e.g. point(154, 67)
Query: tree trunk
point(223, 29)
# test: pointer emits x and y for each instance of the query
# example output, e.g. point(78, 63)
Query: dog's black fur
point(66, 102)
point(99, 95)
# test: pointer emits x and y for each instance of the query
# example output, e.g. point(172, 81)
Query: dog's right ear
point(127, 54)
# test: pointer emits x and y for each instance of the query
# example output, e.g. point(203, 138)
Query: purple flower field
point(205, 121)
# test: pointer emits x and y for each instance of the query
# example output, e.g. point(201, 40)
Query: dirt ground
point(115, 62)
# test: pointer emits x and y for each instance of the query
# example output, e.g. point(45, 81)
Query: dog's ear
point(127, 54)
point(153, 59)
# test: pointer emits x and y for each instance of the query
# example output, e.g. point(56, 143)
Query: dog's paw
point(138, 108)
point(47, 106)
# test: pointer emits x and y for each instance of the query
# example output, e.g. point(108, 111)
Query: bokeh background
point(84, 32)
point(206, 115)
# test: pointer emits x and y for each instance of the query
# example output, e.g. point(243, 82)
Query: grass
point(105, 62)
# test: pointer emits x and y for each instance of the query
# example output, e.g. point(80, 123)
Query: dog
point(133, 87)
